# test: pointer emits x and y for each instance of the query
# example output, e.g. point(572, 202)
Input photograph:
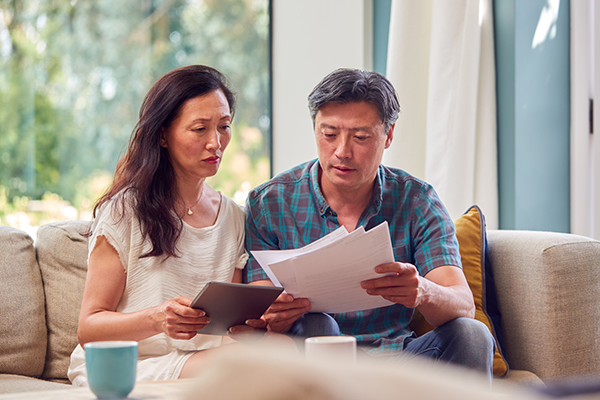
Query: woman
point(160, 232)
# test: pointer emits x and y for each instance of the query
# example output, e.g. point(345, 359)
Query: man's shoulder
point(394, 178)
point(286, 181)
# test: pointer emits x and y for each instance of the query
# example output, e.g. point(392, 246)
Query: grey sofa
point(548, 290)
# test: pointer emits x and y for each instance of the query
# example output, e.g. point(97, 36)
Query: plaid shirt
point(289, 212)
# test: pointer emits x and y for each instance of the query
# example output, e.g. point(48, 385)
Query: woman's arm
point(104, 287)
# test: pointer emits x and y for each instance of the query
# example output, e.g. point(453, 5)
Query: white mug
point(334, 348)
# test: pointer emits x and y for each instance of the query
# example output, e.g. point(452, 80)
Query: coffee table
point(167, 390)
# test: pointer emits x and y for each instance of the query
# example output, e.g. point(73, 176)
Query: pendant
point(190, 211)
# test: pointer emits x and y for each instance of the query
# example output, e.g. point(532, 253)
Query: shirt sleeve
point(434, 234)
point(114, 224)
point(257, 237)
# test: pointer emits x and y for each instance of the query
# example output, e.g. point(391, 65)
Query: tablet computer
point(229, 304)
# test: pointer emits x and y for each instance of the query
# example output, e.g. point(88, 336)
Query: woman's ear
point(163, 141)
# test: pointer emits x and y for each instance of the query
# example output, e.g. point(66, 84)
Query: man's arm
point(441, 296)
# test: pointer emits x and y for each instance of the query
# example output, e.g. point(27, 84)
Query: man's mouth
point(343, 169)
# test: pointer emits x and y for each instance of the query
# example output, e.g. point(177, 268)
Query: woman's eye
point(226, 127)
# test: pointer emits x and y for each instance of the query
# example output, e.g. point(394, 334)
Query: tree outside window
point(73, 74)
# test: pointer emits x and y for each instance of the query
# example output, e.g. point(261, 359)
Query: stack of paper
point(329, 271)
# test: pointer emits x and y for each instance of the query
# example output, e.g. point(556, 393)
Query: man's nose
point(343, 149)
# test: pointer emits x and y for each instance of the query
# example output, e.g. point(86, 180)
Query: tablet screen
point(229, 304)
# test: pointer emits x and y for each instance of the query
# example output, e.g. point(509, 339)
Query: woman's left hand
point(252, 330)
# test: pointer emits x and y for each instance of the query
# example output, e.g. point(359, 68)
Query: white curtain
point(441, 62)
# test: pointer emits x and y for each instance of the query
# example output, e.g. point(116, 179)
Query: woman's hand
point(178, 320)
point(253, 329)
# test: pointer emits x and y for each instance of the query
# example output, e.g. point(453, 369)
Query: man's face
point(350, 143)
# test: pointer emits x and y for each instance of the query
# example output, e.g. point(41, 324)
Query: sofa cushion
point(18, 384)
point(22, 315)
point(548, 286)
point(62, 256)
point(471, 235)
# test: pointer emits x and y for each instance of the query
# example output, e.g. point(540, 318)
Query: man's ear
point(390, 136)
point(163, 141)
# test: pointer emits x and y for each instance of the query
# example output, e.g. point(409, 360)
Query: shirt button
point(322, 211)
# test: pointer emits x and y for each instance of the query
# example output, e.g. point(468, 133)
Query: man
point(353, 115)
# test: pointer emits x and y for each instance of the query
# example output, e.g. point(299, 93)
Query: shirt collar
point(323, 207)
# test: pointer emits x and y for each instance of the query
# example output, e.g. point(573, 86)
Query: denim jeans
point(314, 324)
point(463, 341)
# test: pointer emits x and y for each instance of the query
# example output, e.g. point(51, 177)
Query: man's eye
point(360, 138)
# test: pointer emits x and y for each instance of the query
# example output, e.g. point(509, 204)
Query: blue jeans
point(463, 341)
point(314, 324)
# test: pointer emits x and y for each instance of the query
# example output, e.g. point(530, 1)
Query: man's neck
point(348, 203)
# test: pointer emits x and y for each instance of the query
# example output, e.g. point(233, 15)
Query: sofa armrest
point(548, 290)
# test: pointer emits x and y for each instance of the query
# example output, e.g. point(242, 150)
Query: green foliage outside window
point(73, 74)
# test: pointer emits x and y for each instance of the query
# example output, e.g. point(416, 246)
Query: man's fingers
point(395, 267)
point(399, 274)
point(293, 305)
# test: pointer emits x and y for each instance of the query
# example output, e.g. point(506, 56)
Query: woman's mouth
point(212, 160)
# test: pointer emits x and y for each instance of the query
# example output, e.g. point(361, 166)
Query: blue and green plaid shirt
point(289, 212)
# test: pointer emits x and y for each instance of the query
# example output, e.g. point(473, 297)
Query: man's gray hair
point(346, 85)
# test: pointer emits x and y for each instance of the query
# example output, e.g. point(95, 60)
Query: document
point(329, 271)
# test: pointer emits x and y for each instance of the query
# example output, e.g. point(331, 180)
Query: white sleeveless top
point(206, 254)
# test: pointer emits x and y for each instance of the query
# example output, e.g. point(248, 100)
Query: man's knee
point(471, 334)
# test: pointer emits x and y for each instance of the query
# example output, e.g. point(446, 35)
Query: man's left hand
point(402, 284)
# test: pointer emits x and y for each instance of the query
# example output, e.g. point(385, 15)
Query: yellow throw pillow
point(470, 232)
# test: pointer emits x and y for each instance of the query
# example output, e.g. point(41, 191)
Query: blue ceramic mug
point(111, 367)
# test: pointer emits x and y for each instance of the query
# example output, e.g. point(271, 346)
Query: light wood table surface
point(167, 390)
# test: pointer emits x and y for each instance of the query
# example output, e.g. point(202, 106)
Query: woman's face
point(199, 135)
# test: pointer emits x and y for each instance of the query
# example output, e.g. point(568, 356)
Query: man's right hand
point(282, 314)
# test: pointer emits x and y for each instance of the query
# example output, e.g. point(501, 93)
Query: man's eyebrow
point(356, 129)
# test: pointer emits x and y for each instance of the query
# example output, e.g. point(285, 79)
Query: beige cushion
point(22, 316)
point(548, 286)
point(19, 383)
point(62, 256)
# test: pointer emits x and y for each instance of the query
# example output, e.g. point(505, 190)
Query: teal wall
point(381, 28)
point(533, 97)
point(533, 92)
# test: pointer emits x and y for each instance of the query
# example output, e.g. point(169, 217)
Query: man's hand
point(402, 284)
point(441, 296)
point(282, 314)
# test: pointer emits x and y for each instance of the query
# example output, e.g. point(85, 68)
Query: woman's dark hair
point(145, 174)
point(346, 85)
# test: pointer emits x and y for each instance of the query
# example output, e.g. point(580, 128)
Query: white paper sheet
point(328, 272)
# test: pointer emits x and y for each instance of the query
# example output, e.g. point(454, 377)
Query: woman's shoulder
point(117, 209)
point(230, 207)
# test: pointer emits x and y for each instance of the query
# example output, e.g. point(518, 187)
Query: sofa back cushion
point(22, 314)
point(62, 256)
point(548, 286)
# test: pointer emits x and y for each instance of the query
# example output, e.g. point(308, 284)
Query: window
point(72, 78)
